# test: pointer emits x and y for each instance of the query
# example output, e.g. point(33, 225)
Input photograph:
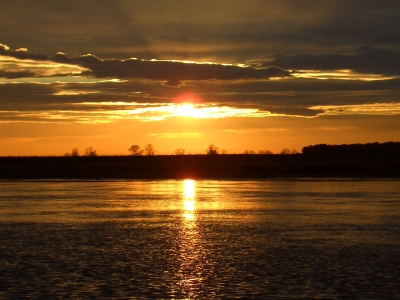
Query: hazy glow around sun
point(107, 112)
point(188, 110)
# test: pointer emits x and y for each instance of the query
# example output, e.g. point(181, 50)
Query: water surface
point(203, 239)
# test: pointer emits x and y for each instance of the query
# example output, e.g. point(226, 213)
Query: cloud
point(107, 112)
point(218, 31)
point(173, 83)
point(173, 71)
point(363, 60)
point(382, 109)
point(61, 58)
point(13, 75)
point(295, 112)
point(21, 53)
point(290, 97)
point(174, 135)
point(22, 64)
point(170, 71)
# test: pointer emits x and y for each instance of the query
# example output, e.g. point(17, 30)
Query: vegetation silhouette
point(212, 150)
point(285, 151)
point(372, 160)
point(90, 152)
point(149, 150)
point(369, 148)
point(135, 150)
point(74, 152)
point(249, 152)
point(264, 152)
point(179, 151)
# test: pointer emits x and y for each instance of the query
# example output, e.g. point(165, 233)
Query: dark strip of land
point(238, 166)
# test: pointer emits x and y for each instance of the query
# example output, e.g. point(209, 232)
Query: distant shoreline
point(227, 166)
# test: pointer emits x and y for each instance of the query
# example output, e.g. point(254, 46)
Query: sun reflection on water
point(189, 200)
point(189, 189)
point(192, 270)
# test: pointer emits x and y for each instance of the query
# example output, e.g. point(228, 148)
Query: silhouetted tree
point(264, 152)
point(135, 150)
point(249, 152)
point(180, 151)
point(74, 152)
point(149, 150)
point(90, 152)
point(294, 151)
point(285, 151)
point(224, 151)
point(212, 150)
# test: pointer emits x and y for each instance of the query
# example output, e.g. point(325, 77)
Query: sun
point(186, 110)
point(188, 105)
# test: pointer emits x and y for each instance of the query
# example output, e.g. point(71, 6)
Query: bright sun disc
point(186, 110)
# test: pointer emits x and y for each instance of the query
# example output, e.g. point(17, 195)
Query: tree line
point(369, 148)
point(88, 152)
point(148, 150)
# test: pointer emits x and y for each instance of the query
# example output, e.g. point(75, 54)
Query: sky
point(241, 75)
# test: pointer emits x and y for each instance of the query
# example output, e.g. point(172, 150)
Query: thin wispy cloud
point(383, 109)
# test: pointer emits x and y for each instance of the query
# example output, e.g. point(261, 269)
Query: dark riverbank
point(202, 166)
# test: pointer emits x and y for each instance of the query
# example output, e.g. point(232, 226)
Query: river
point(204, 239)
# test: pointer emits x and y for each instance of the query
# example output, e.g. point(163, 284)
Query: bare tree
point(149, 150)
point(179, 151)
point(224, 151)
point(294, 151)
point(212, 150)
point(90, 152)
point(135, 150)
point(285, 151)
point(249, 152)
point(264, 152)
point(75, 152)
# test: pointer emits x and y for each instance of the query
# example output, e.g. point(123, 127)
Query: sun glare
point(189, 198)
point(188, 189)
point(187, 110)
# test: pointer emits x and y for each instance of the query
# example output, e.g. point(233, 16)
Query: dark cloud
point(61, 58)
point(290, 96)
point(358, 22)
point(363, 59)
point(292, 86)
point(21, 53)
point(14, 75)
point(173, 83)
point(33, 96)
point(173, 71)
point(219, 31)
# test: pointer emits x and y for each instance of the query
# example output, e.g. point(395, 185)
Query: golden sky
point(242, 75)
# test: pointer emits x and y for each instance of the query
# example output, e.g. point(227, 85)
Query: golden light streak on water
point(189, 202)
point(191, 271)
point(189, 189)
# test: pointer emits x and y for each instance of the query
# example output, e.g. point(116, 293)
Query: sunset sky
point(251, 74)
